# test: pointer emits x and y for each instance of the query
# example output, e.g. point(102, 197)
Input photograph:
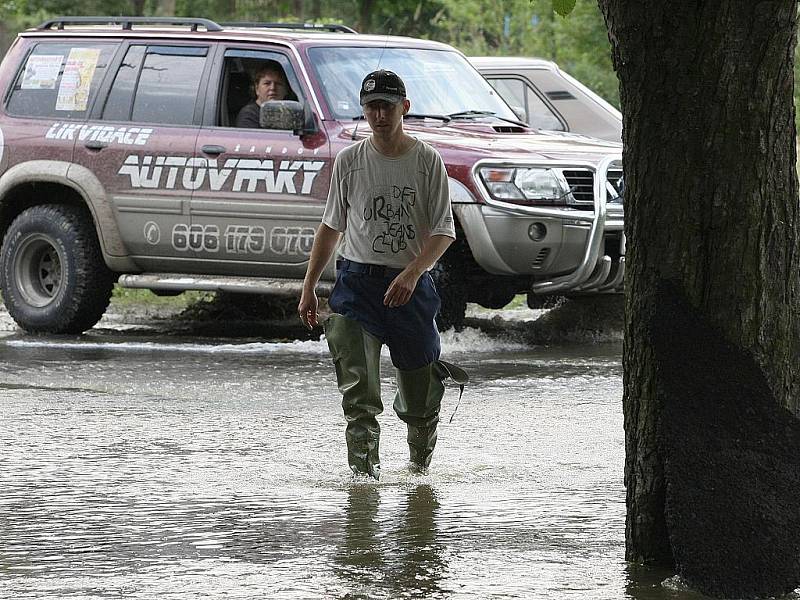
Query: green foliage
point(563, 7)
point(578, 43)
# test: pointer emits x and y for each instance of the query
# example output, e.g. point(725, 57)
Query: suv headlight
point(526, 185)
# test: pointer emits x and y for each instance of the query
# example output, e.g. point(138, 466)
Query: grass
point(132, 296)
point(519, 301)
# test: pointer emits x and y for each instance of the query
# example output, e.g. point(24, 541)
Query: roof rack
point(333, 27)
point(128, 22)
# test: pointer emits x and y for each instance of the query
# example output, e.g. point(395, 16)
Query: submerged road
point(143, 465)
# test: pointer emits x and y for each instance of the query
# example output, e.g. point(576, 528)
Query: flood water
point(154, 467)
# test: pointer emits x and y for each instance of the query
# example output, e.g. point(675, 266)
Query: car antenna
point(378, 66)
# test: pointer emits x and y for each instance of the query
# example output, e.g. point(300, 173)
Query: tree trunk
point(137, 7)
point(227, 10)
point(316, 10)
point(6, 38)
point(711, 212)
point(165, 8)
point(365, 9)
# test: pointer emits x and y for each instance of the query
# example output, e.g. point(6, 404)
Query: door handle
point(95, 145)
point(213, 149)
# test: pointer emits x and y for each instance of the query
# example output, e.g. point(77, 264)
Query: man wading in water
point(390, 198)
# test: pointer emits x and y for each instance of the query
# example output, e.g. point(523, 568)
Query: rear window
point(60, 79)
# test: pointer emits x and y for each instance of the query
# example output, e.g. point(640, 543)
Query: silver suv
point(546, 97)
point(121, 162)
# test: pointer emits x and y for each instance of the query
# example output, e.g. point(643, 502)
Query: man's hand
point(307, 309)
point(402, 287)
point(325, 242)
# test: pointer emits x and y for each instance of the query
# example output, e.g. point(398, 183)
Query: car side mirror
point(283, 114)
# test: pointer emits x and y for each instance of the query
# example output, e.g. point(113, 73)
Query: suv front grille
point(582, 185)
point(617, 182)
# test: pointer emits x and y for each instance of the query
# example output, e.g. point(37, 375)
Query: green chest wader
point(356, 357)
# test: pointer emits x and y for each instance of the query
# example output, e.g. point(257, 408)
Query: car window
point(242, 69)
point(520, 95)
point(585, 111)
point(157, 84)
point(120, 98)
point(60, 79)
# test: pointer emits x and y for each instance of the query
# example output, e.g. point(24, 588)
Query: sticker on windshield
point(41, 72)
point(73, 93)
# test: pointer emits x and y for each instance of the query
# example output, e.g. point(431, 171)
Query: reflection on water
point(165, 470)
point(421, 562)
point(360, 556)
point(404, 560)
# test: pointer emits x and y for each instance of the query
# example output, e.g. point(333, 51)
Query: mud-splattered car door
point(265, 189)
point(141, 144)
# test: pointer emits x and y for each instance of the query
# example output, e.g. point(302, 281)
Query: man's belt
point(351, 266)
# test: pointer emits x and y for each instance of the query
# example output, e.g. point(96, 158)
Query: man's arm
point(405, 283)
point(325, 242)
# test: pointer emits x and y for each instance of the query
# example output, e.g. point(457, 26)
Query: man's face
point(385, 118)
point(271, 86)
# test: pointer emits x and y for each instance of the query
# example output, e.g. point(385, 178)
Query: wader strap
point(458, 375)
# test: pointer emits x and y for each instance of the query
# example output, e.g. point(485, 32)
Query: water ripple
point(153, 471)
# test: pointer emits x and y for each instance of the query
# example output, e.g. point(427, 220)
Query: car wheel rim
point(38, 270)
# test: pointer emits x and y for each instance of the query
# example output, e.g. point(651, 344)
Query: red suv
point(120, 160)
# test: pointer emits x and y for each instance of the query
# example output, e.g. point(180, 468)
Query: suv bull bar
point(594, 272)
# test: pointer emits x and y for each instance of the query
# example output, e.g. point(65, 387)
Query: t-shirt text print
point(391, 207)
point(388, 207)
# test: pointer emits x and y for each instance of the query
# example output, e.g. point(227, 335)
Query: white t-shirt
point(388, 207)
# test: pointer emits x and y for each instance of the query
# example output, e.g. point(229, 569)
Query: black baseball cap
point(382, 85)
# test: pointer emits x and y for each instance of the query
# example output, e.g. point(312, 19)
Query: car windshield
point(438, 82)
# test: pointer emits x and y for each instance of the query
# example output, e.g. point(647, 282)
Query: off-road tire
point(452, 290)
point(54, 279)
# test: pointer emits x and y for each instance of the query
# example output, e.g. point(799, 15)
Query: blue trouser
point(361, 325)
point(409, 330)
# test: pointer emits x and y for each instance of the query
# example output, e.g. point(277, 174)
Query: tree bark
point(365, 10)
point(711, 206)
point(137, 7)
point(165, 8)
point(316, 10)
